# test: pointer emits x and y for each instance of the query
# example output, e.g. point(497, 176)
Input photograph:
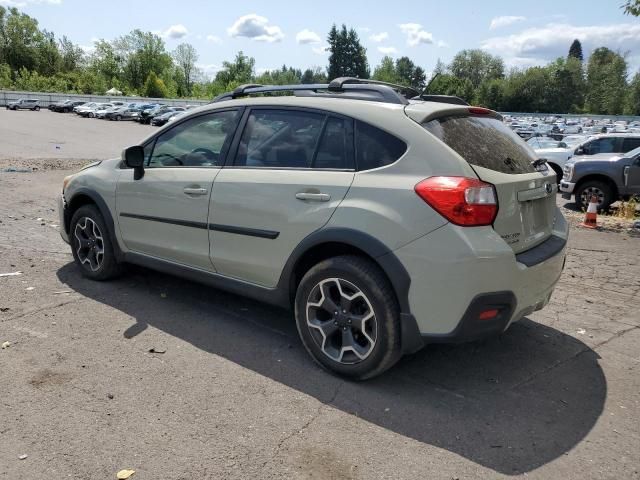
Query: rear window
point(485, 142)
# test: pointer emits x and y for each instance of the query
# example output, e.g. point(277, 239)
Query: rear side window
point(376, 148)
point(279, 139)
point(484, 142)
point(601, 145)
point(629, 144)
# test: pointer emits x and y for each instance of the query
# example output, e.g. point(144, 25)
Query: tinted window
point(279, 139)
point(485, 142)
point(629, 144)
point(376, 148)
point(334, 150)
point(600, 145)
point(197, 142)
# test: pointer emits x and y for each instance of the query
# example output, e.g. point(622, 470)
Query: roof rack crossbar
point(339, 83)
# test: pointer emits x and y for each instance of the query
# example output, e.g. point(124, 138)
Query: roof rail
point(346, 87)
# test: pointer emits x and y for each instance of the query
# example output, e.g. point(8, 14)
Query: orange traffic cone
point(591, 218)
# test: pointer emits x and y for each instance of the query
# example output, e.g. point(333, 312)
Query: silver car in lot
point(384, 221)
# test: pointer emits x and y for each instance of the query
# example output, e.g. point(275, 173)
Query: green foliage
point(606, 82)
point(284, 76)
point(185, 57)
point(447, 84)
point(402, 72)
point(315, 75)
point(632, 7)
point(154, 87)
point(575, 50)
point(633, 99)
point(348, 57)
point(237, 72)
point(477, 66)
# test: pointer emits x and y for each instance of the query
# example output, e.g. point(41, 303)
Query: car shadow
point(512, 403)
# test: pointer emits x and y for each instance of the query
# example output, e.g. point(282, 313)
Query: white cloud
point(307, 36)
point(174, 32)
point(442, 44)
point(321, 50)
point(257, 28)
point(536, 46)
point(24, 3)
point(214, 39)
point(505, 21)
point(388, 50)
point(379, 37)
point(415, 34)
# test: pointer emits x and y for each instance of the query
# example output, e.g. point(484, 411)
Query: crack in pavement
point(306, 425)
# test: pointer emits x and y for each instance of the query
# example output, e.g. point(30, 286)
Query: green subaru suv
point(384, 219)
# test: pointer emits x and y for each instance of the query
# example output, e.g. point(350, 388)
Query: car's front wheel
point(91, 244)
point(602, 192)
point(348, 317)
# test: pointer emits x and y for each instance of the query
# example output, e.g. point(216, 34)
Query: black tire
point(108, 268)
point(601, 189)
point(368, 278)
point(557, 170)
point(118, 118)
point(37, 109)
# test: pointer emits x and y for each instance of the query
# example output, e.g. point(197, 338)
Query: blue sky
point(294, 33)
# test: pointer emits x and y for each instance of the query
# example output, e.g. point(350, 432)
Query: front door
point(291, 170)
point(164, 214)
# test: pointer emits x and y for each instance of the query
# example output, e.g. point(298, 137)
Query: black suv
point(66, 106)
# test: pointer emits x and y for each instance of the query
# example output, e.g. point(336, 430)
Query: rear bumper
point(456, 272)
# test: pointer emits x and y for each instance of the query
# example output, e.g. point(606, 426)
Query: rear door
point(526, 197)
point(291, 170)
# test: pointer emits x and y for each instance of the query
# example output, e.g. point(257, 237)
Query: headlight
point(568, 171)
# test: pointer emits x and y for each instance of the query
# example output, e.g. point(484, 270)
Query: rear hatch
point(526, 194)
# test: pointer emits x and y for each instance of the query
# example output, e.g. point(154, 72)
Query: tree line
point(139, 63)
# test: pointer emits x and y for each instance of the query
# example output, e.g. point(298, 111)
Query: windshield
point(485, 142)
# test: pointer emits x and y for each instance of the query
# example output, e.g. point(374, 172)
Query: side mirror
point(579, 151)
point(134, 158)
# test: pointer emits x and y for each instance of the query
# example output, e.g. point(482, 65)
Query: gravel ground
point(86, 391)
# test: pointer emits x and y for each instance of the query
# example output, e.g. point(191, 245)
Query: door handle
point(195, 191)
point(313, 197)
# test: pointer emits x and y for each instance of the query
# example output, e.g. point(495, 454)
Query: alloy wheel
point(341, 320)
point(90, 246)
point(585, 196)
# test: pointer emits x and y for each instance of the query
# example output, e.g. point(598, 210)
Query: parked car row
point(146, 113)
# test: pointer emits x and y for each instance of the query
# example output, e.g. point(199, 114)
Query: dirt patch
point(45, 377)
point(27, 165)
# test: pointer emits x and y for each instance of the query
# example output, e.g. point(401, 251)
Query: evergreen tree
point(575, 50)
point(348, 57)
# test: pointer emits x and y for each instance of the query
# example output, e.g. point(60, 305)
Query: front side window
point(198, 142)
point(279, 139)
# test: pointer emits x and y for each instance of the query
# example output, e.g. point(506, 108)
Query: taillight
point(464, 201)
point(480, 111)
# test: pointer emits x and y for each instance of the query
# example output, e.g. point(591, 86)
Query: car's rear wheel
point(602, 191)
point(118, 118)
point(37, 109)
point(91, 244)
point(348, 317)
